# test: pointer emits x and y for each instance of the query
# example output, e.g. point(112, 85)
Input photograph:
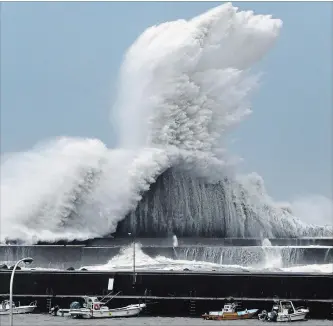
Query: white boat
point(284, 311)
point(230, 311)
point(5, 308)
point(95, 308)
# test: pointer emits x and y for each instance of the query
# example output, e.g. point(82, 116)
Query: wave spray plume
point(183, 85)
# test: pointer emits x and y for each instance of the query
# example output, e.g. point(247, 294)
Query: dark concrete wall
point(302, 286)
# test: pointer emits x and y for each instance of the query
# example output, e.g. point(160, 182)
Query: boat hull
point(297, 316)
point(129, 311)
point(18, 310)
point(246, 314)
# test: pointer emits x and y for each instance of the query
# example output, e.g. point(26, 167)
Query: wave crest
point(183, 85)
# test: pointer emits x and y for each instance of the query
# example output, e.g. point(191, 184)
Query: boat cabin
point(92, 303)
point(229, 307)
point(5, 305)
point(285, 307)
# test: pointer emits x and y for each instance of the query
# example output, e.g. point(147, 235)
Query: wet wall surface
point(76, 256)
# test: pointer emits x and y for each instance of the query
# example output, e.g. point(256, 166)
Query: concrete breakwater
point(171, 293)
point(190, 241)
point(63, 257)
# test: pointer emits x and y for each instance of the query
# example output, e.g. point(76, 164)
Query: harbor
point(172, 293)
point(152, 277)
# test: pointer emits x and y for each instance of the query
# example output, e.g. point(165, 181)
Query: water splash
point(124, 261)
point(174, 241)
point(273, 256)
point(183, 86)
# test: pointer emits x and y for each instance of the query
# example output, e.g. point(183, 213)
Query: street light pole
point(134, 274)
point(27, 260)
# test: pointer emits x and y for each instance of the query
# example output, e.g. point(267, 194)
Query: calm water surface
point(47, 320)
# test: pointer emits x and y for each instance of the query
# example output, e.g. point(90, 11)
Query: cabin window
point(288, 306)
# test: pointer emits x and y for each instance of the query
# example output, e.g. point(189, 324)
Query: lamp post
point(26, 260)
point(134, 275)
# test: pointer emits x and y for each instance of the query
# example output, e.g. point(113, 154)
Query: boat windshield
point(7, 303)
point(287, 306)
point(228, 308)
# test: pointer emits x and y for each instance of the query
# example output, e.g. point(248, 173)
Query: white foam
point(183, 85)
point(124, 262)
point(313, 268)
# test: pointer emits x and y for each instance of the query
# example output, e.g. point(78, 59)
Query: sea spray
point(174, 241)
point(175, 245)
point(273, 256)
point(124, 261)
point(183, 85)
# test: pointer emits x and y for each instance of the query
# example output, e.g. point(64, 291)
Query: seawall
point(63, 257)
point(171, 292)
point(208, 241)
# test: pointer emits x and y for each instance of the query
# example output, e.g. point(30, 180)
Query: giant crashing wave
point(183, 86)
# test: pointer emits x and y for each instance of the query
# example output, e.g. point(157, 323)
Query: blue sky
point(59, 64)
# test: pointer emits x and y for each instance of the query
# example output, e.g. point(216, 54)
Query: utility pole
point(134, 273)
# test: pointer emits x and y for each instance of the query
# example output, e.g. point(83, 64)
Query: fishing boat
point(284, 311)
point(95, 308)
point(230, 311)
point(5, 308)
